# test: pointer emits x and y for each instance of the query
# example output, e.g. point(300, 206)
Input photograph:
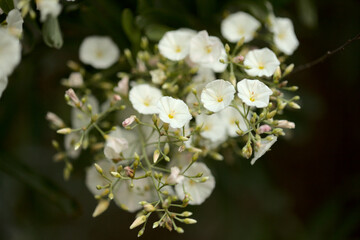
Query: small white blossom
point(3, 84)
point(205, 48)
point(212, 127)
point(173, 111)
point(199, 191)
point(10, 53)
point(128, 197)
point(15, 22)
point(114, 146)
point(229, 117)
point(158, 76)
point(265, 145)
point(144, 98)
point(217, 95)
point(261, 62)
point(48, 8)
point(174, 45)
point(99, 52)
point(239, 25)
point(254, 93)
point(174, 177)
point(284, 35)
point(218, 66)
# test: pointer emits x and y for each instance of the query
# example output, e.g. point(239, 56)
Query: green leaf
point(7, 5)
point(155, 31)
point(131, 30)
point(51, 33)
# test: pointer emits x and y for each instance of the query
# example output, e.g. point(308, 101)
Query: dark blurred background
point(307, 187)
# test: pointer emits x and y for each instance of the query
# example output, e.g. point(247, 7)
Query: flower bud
point(263, 129)
point(64, 131)
point(55, 120)
point(73, 97)
point(186, 214)
point(216, 156)
point(98, 168)
point(138, 221)
point(294, 105)
point(156, 155)
point(288, 69)
point(227, 48)
point(101, 207)
point(277, 75)
point(129, 171)
point(115, 174)
point(271, 114)
point(155, 224)
point(123, 86)
point(128, 121)
point(285, 124)
point(179, 230)
point(189, 221)
point(149, 207)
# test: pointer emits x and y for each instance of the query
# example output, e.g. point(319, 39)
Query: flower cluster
point(182, 101)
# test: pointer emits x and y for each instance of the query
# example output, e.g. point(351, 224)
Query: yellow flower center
point(171, 115)
point(281, 36)
point(220, 99)
point(178, 49)
point(252, 96)
point(241, 31)
point(191, 182)
point(207, 127)
point(147, 102)
point(208, 48)
point(261, 66)
point(99, 54)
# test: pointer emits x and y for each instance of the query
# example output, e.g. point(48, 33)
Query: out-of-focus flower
point(173, 111)
point(212, 127)
point(199, 191)
point(204, 75)
point(48, 8)
point(265, 145)
point(174, 177)
point(114, 146)
point(123, 86)
point(230, 116)
point(174, 45)
point(158, 76)
point(55, 120)
point(15, 22)
point(3, 84)
point(254, 93)
point(239, 25)
point(284, 35)
point(144, 98)
point(75, 80)
point(99, 52)
point(93, 178)
point(217, 95)
point(205, 48)
point(10, 53)
point(261, 62)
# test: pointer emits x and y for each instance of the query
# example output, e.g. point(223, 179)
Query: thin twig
point(326, 55)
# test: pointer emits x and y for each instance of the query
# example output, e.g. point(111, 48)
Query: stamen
point(178, 49)
point(220, 99)
point(208, 48)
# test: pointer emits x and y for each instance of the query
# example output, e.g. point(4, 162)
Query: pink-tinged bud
point(123, 86)
point(74, 98)
point(55, 120)
point(129, 172)
point(238, 59)
point(116, 97)
point(286, 124)
point(128, 121)
point(264, 128)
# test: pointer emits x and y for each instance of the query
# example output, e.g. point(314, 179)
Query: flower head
point(173, 111)
point(239, 25)
point(212, 128)
point(284, 35)
point(158, 76)
point(199, 191)
point(205, 48)
point(10, 53)
point(48, 8)
point(217, 95)
point(174, 45)
point(99, 52)
point(265, 145)
point(254, 93)
point(261, 62)
point(144, 98)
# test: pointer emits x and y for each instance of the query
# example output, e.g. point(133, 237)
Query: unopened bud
point(179, 230)
point(64, 131)
point(155, 224)
point(288, 69)
point(129, 171)
point(189, 221)
point(149, 207)
point(156, 155)
point(101, 207)
point(271, 114)
point(263, 129)
point(227, 48)
point(294, 105)
point(186, 214)
point(285, 124)
point(115, 174)
point(138, 221)
point(98, 168)
point(128, 121)
point(73, 97)
point(166, 148)
point(277, 75)
point(216, 156)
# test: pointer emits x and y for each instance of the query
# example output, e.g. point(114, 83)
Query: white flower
point(144, 98)
point(174, 177)
point(93, 178)
point(205, 49)
point(229, 116)
point(48, 8)
point(75, 80)
point(174, 45)
point(212, 127)
point(265, 145)
point(15, 22)
point(114, 146)
point(199, 191)
point(217, 66)
point(3, 84)
point(173, 111)
point(204, 75)
point(239, 25)
point(79, 118)
point(99, 52)
point(69, 143)
point(261, 62)
point(10, 53)
point(128, 197)
point(217, 95)
point(284, 35)
point(254, 93)
point(158, 76)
